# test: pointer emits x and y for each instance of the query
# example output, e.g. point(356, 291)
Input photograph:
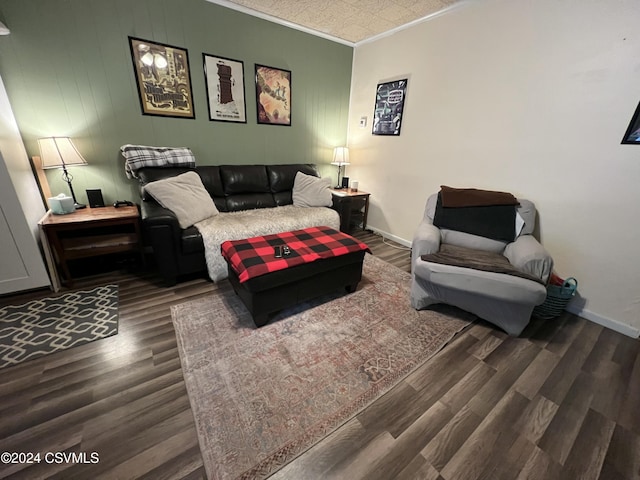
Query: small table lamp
point(59, 152)
point(340, 158)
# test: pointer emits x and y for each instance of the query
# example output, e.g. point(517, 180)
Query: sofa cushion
point(310, 191)
point(249, 201)
point(246, 187)
point(152, 174)
point(282, 177)
point(211, 179)
point(244, 179)
point(185, 196)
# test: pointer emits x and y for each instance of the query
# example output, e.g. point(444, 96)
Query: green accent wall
point(68, 71)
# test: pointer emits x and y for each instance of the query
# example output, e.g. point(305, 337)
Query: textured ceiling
point(349, 20)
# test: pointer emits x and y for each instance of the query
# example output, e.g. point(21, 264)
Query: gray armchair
point(506, 300)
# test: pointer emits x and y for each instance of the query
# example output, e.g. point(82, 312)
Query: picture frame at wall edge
point(632, 135)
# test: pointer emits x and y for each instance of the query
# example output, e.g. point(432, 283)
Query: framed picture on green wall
point(225, 89)
point(273, 95)
point(163, 78)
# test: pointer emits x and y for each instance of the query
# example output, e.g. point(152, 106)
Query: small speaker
point(95, 198)
point(345, 182)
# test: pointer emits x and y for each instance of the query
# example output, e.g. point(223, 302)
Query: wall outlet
point(363, 122)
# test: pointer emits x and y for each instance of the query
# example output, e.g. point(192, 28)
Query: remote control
point(278, 251)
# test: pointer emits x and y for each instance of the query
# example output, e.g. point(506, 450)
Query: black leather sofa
point(232, 187)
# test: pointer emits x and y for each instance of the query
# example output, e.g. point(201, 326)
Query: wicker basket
point(558, 296)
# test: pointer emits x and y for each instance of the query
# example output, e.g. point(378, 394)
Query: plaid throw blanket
point(253, 257)
point(139, 156)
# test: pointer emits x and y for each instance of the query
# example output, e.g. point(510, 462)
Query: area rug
point(261, 397)
point(48, 325)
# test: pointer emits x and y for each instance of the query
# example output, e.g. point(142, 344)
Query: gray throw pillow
point(310, 191)
point(185, 196)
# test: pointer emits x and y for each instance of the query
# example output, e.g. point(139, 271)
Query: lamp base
point(79, 206)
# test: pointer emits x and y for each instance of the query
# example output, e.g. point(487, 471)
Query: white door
point(21, 264)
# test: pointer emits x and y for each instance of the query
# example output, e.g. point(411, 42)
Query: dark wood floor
point(560, 402)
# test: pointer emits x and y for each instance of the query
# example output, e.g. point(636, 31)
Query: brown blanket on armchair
point(473, 197)
point(476, 259)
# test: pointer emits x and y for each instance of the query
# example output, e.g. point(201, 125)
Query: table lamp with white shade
point(60, 152)
point(340, 158)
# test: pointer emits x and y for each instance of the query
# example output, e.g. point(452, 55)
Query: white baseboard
point(396, 239)
point(614, 325)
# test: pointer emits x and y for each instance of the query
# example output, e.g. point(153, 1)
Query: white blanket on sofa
point(253, 223)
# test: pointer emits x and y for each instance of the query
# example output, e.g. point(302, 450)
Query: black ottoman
point(271, 292)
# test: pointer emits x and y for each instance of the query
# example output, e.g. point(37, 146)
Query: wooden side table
point(88, 233)
point(353, 207)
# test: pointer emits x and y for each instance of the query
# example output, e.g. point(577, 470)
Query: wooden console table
point(88, 233)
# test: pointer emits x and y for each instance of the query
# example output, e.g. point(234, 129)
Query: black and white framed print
point(225, 89)
point(387, 116)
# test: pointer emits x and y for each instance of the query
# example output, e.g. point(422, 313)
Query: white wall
point(528, 97)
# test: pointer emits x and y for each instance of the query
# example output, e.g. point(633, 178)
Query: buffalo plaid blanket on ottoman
point(320, 260)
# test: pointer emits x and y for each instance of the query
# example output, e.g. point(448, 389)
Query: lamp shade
point(58, 152)
point(340, 156)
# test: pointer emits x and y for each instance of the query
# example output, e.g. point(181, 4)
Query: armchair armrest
point(426, 240)
point(527, 255)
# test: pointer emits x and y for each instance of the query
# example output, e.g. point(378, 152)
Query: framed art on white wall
point(387, 115)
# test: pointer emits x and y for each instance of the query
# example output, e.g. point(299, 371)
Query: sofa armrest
point(527, 255)
point(162, 231)
point(153, 214)
point(425, 240)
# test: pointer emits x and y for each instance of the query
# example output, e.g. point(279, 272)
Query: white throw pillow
point(185, 196)
point(310, 191)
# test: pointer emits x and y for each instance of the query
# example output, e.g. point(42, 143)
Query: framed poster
point(387, 116)
point(225, 89)
point(273, 95)
point(632, 135)
point(163, 78)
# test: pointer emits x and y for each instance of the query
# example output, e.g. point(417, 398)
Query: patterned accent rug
point(261, 397)
point(48, 325)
